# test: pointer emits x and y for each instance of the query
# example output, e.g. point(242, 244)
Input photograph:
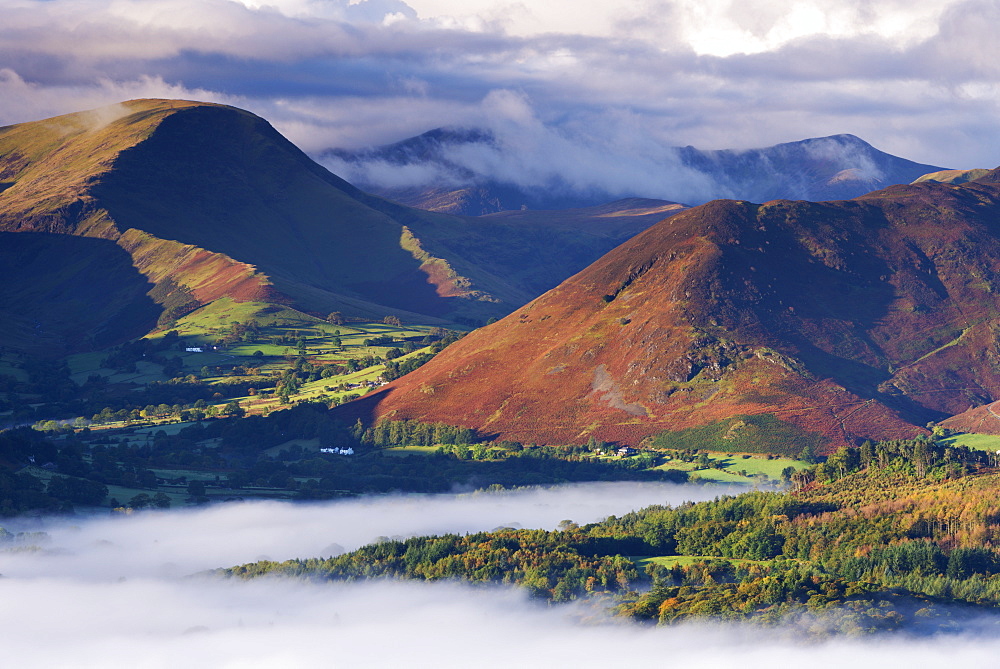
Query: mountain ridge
point(857, 319)
point(821, 168)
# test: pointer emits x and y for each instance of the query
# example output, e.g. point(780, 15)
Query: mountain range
point(817, 323)
point(445, 170)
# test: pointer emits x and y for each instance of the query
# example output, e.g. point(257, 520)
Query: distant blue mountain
point(440, 176)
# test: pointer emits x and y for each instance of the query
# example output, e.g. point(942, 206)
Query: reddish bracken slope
point(855, 319)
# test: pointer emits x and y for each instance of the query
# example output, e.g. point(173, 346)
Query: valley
point(199, 316)
point(412, 333)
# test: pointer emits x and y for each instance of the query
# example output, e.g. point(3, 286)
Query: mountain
point(838, 167)
point(209, 201)
point(444, 170)
point(952, 176)
point(794, 322)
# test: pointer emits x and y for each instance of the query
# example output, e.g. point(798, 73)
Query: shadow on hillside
point(63, 293)
point(363, 408)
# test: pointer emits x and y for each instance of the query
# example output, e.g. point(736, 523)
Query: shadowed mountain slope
point(843, 320)
point(70, 293)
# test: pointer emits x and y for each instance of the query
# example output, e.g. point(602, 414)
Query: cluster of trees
point(197, 410)
point(248, 332)
point(534, 559)
point(415, 433)
point(394, 370)
point(783, 592)
point(20, 492)
point(921, 457)
point(381, 340)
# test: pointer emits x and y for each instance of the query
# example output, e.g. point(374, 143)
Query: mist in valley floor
point(118, 592)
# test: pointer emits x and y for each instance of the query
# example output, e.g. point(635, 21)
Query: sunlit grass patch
point(685, 560)
point(980, 442)
point(409, 450)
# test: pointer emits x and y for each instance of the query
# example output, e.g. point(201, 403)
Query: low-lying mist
point(271, 623)
point(115, 592)
point(178, 543)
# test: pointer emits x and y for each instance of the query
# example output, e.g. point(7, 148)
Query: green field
point(684, 560)
point(726, 468)
point(409, 450)
point(979, 442)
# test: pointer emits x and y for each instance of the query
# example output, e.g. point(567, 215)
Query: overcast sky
point(917, 78)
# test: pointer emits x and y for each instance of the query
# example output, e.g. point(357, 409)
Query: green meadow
point(980, 442)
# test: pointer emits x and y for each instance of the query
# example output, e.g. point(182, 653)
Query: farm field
point(980, 442)
point(261, 356)
point(734, 468)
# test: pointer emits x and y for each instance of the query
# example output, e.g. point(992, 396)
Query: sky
point(121, 591)
point(916, 78)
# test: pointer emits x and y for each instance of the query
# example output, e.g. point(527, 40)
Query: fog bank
point(178, 543)
point(115, 592)
point(155, 623)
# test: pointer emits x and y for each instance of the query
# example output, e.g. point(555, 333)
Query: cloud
point(278, 623)
point(602, 155)
point(24, 100)
point(62, 609)
point(917, 79)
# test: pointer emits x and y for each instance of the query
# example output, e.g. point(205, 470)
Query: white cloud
point(24, 100)
point(274, 623)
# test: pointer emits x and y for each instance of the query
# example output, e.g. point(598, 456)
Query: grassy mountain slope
point(862, 318)
point(953, 177)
